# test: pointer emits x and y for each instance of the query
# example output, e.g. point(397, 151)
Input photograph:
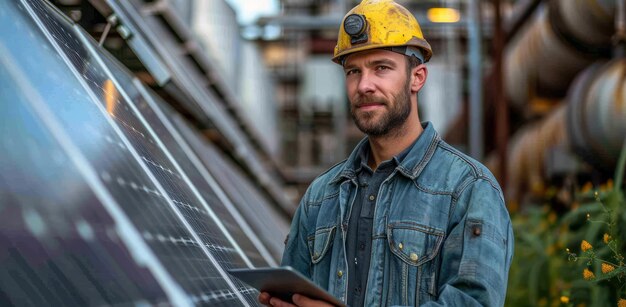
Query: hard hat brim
point(416, 42)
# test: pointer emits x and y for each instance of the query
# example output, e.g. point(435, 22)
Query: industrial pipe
point(527, 154)
point(564, 38)
point(592, 123)
point(596, 116)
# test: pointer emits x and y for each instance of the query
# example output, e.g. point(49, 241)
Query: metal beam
point(476, 140)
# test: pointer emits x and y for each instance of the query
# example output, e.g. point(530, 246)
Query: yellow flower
point(588, 275)
point(621, 303)
point(606, 238)
point(585, 246)
point(607, 268)
point(564, 299)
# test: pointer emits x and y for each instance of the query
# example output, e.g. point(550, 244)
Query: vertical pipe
point(342, 7)
point(475, 81)
point(502, 112)
point(619, 38)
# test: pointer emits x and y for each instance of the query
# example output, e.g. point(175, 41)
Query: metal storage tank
point(596, 120)
point(554, 47)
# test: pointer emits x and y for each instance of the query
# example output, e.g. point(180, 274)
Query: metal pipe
point(544, 59)
point(528, 151)
point(619, 38)
point(596, 119)
point(475, 81)
point(592, 123)
point(502, 110)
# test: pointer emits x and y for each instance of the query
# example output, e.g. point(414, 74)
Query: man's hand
point(298, 300)
point(264, 298)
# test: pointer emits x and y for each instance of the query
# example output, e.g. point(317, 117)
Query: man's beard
point(394, 118)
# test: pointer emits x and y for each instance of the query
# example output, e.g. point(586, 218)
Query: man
point(406, 219)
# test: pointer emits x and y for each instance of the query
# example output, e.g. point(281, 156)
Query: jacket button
point(476, 231)
point(372, 197)
point(400, 246)
point(414, 256)
point(339, 274)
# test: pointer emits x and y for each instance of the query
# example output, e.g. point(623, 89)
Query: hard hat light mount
point(355, 25)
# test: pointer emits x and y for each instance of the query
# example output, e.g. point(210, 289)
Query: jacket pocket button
point(339, 274)
point(476, 231)
point(414, 257)
point(400, 246)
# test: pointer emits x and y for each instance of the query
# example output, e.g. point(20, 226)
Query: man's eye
point(351, 71)
point(382, 67)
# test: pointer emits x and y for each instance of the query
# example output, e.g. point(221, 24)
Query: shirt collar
point(410, 161)
point(362, 159)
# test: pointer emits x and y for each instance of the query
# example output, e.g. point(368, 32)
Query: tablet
point(283, 282)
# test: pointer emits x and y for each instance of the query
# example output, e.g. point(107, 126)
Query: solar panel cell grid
point(132, 163)
point(161, 221)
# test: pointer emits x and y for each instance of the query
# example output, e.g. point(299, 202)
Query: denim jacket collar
point(411, 166)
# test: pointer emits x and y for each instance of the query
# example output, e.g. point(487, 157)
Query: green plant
point(541, 276)
point(537, 277)
point(603, 277)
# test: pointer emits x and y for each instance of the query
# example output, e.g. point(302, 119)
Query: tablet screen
point(283, 282)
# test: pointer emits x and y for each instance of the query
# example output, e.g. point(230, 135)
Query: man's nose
point(366, 84)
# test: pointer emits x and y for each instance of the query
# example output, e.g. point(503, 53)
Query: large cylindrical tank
point(528, 150)
point(596, 117)
point(563, 38)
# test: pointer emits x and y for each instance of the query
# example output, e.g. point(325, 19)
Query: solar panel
point(101, 199)
point(59, 245)
point(148, 106)
point(265, 220)
point(187, 75)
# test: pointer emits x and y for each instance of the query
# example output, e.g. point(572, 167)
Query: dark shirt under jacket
point(359, 236)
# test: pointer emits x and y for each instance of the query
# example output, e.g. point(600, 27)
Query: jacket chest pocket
point(413, 243)
point(412, 274)
point(320, 242)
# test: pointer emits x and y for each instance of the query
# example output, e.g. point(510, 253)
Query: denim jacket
point(442, 235)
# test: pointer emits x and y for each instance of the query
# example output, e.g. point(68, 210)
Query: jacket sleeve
point(476, 255)
point(296, 253)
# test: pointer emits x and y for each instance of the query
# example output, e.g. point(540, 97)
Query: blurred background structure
point(148, 146)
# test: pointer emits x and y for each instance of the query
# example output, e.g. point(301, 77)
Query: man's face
point(378, 88)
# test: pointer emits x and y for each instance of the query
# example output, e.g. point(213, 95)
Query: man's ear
point(418, 77)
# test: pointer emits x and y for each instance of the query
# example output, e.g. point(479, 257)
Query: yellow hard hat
point(380, 24)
